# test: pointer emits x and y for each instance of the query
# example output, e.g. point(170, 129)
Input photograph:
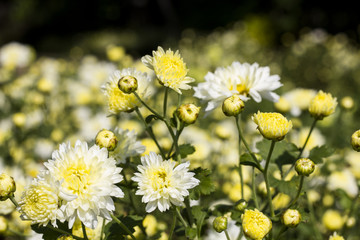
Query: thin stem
point(240, 166)
point(149, 108)
point(298, 193)
point(303, 147)
point(122, 226)
point(267, 180)
point(188, 211)
point(181, 218)
point(63, 232)
point(172, 226)
point(227, 235)
point(14, 201)
point(165, 101)
point(84, 231)
point(102, 229)
point(254, 189)
point(149, 130)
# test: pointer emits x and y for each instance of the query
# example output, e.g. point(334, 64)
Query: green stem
point(267, 180)
point(165, 101)
point(102, 229)
point(181, 218)
point(172, 226)
point(150, 132)
point(303, 147)
point(188, 211)
point(122, 226)
point(254, 188)
point(227, 235)
point(149, 108)
point(14, 201)
point(237, 119)
point(84, 231)
point(63, 232)
point(298, 193)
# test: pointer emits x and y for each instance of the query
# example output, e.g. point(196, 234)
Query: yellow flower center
point(159, 179)
point(241, 88)
point(119, 101)
point(76, 177)
point(169, 66)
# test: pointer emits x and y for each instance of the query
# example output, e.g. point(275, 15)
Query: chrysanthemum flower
point(333, 220)
point(169, 68)
point(162, 183)
point(322, 105)
point(89, 175)
point(255, 224)
point(243, 79)
point(122, 102)
point(335, 236)
point(273, 126)
point(14, 55)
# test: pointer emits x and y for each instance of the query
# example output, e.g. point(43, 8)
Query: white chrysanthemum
point(243, 79)
point(299, 100)
point(15, 55)
point(122, 102)
point(344, 180)
point(89, 175)
point(127, 145)
point(162, 183)
point(169, 68)
point(40, 202)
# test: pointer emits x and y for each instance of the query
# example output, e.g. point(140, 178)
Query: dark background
point(54, 26)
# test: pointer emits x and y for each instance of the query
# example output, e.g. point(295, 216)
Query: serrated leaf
point(114, 231)
point(246, 159)
point(318, 153)
point(48, 233)
point(186, 149)
point(206, 185)
point(149, 118)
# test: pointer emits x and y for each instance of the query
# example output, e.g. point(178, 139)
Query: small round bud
point(322, 105)
point(106, 139)
point(242, 205)
point(220, 224)
point(291, 218)
point(7, 186)
point(355, 141)
point(188, 113)
point(128, 84)
point(304, 166)
point(3, 225)
point(233, 106)
point(347, 103)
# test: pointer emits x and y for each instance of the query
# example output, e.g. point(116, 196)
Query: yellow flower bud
point(7, 186)
point(242, 205)
point(106, 139)
point(273, 126)
point(336, 237)
point(355, 141)
point(322, 105)
point(256, 225)
point(188, 113)
point(304, 166)
point(233, 106)
point(3, 225)
point(65, 237)
point(333, 220)
point(291, 218)
point(128, 84)
point(220, 224)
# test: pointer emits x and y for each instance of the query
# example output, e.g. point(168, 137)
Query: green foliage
point(200, 217)
point(114, 231)
point(317, 154)
point(186, 149)
point(206, 185)
point(247, 159)
point(50, 234)
point(288, 187)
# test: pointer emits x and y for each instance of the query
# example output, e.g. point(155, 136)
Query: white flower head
point(243, 79)
point(162, 183)
point(88, 177)
point(127, 145)
point(122, 102)
point(15, 54)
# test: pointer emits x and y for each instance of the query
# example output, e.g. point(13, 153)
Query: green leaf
point(114, 231)
point(317, 154)
point(246, 159)
point(48, 233)
point(200, 216)
point(186, 149)
point(149, 118)
point(288, 187)
point(206, 185)
point(190, 232)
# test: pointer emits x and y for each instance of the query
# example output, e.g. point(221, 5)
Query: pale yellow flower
point(273, 126)
point(336, 237)
point(333, 220)
point(322, 105)
point(169, 68)
point(255, 224)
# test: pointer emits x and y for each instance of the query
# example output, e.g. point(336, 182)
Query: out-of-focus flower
point(169, 68)
point(7, 186)
point(115, 53)
point(355, 141)
point(343, 180)
point(291, 218)
point(298, 99)
point(299, 138)
point(14, 55)
point(92, 234)
point(242, 79)
point(322, 105)
point(281, 200)
point(335, 236)
point(273, 126)
point(352, 158)
point(347, 103)
point(89, 176)
point(256, 225)
point(122, 102)
point(3, 225)
point(332, 220)
point(162, 183)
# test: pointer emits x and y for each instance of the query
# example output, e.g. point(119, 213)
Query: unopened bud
point(322, 105)
point(304, 166)
point(233, 106)
point(65, 237)
point(106, 139)
point(128, 84)
point(220, 224)
point(3, 225)
point(188, 113)
point(7, 186)
point(355, 141)
point(291, 218)
point(242, 205)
